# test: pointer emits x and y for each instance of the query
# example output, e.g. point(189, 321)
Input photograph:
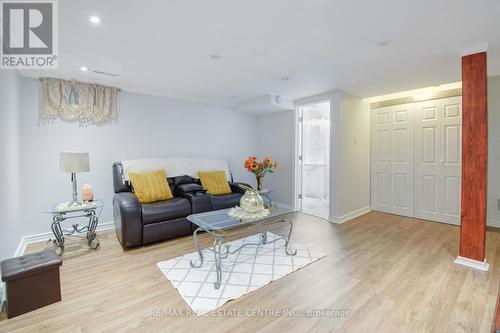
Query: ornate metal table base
point(90, 229)
point(221, 252)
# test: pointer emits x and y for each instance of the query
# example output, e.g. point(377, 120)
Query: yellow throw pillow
point(150, 186)
point(215, 182)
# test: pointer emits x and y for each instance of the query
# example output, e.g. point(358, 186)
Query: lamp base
point(75, 201)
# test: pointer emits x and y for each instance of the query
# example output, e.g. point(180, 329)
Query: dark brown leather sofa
point(138, 224)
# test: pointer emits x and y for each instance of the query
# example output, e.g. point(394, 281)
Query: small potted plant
point(259, 169)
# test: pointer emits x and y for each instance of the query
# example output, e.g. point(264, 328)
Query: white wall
point(352, 162)
point(275, 138)
point(9, 162)
point(493, 150)
point(147, 127)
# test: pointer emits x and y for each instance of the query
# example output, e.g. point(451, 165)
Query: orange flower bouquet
point(259, 169)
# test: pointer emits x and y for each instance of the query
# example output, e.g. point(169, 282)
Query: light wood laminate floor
point(394, 274)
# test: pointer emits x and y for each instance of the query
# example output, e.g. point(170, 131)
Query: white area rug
point(242, 272)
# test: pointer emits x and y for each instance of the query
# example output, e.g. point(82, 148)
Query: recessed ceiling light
point(84, 69)
point(95, 19)
point(215, 56)
point(383, 43)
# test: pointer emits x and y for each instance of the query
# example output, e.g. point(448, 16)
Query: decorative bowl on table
point(251, 206)
point(239, 213)
point(251, 201)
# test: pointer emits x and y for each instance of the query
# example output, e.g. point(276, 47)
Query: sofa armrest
point(235, 188)
point(127, 214)
point(200, 201)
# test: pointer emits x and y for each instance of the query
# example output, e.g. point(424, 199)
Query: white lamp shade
point(74, 162)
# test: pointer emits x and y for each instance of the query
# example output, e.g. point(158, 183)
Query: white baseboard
point(30, 239)
point(493, 223)
point(350, 215)
point(282, 205)
point(480, 265)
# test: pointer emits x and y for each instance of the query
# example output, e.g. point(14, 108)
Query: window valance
point(87, 103)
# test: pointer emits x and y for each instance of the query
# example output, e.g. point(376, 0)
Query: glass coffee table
point(219, 224)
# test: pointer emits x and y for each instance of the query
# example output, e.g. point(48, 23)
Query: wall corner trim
point(350, 216)
point(479, 265)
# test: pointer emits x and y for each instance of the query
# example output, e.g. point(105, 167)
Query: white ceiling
point(163, 47)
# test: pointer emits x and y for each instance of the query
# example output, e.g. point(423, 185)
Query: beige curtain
point(87, 103)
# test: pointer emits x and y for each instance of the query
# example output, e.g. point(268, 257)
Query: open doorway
point(314, 159)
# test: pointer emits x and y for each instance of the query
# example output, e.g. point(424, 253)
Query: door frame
point(297, 174)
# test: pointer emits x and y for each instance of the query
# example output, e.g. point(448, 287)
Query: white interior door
point(438, 145)
point(314, 158)
point(402, 160)
point(380, 157)
point(393, 159)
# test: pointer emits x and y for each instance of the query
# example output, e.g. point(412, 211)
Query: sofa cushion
point(151, 186)
point(226, 200)
point(215, 182)
point(165, 210)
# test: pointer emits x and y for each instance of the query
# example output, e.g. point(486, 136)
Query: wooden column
point(474, 156)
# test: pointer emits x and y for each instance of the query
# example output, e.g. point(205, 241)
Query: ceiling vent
point(105, 73)
point(265, 104)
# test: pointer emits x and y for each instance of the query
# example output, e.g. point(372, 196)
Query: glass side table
point(62, 212)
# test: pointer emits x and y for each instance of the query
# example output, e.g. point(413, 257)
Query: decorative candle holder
point(87, 192)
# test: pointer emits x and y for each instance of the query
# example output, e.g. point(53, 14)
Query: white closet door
point(393, 159)
point(381, 169)
point(402, 160)
point(438, 159)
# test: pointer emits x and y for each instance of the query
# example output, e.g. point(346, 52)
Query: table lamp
point(73, 163)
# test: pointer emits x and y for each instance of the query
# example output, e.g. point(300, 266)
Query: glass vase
point(260, 182)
